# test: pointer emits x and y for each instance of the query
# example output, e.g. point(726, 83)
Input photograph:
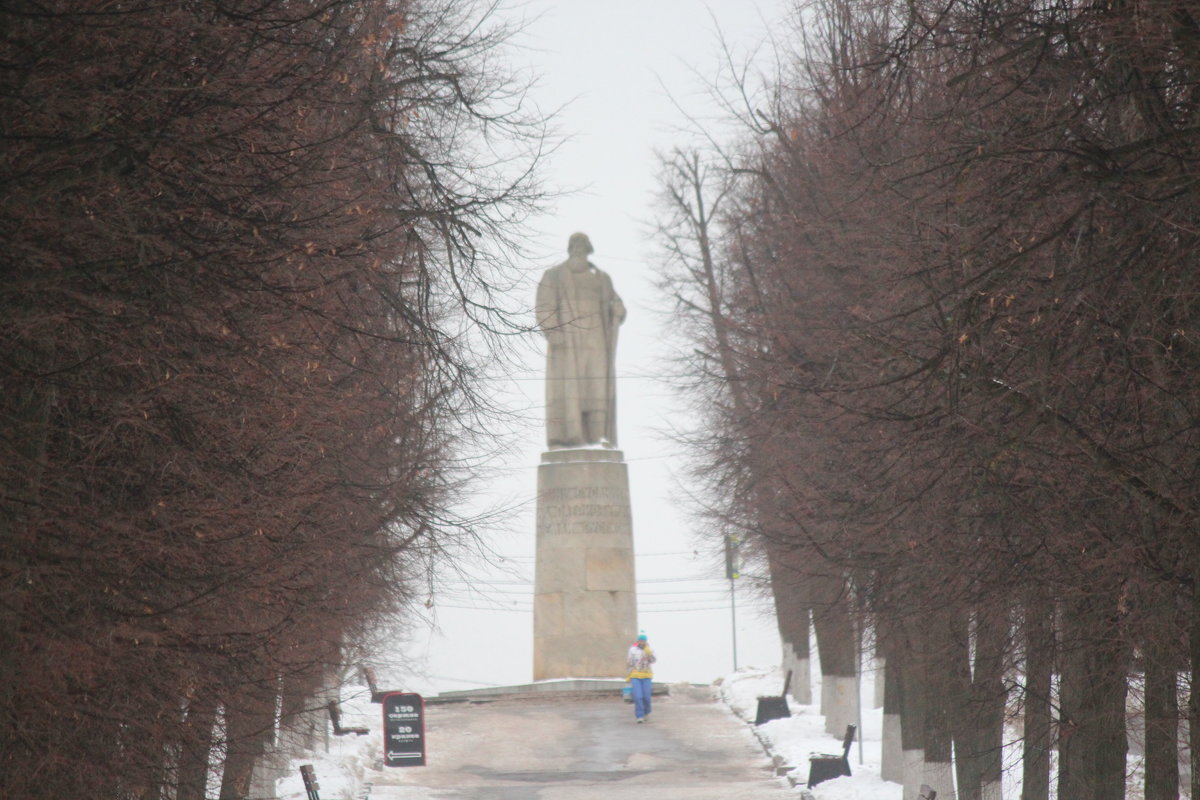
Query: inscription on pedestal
point(585, 608)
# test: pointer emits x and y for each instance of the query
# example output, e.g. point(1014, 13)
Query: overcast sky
point(620, 68)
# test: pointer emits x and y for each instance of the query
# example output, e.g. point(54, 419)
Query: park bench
point(335, 716)
point(822, 767)
point(311, 787)
point(774, 706)
point(373, 685)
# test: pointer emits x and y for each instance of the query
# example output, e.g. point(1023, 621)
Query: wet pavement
point(583, 747)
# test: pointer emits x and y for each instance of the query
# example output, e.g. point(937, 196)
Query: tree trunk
point(1092, 743)
point(891, 766)
point(1162, 726)
point(939, 695)
point(988, 698)
point(1193, 695)
point(248, 723)
point(837, 648)
point(792, 616)
point(302, 719)
point(963, 713)
point(195, 749)
point(1039, 668)
point(26, 410)
point(912, 715)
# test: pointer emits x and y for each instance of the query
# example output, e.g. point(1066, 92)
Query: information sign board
point(403, 730)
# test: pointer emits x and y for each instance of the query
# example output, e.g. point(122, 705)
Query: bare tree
point(960, 256)
point(242, 239)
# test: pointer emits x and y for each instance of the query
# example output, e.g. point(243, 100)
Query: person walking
point(641, 677)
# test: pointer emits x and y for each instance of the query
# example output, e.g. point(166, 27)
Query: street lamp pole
point(733, 616)
point(731, 572)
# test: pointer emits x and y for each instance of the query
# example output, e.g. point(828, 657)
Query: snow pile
point(341, 770)
point(795, 738)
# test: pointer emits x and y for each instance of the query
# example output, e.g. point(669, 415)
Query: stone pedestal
point(585, 601)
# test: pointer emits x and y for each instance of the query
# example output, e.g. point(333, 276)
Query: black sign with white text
point(403, 730)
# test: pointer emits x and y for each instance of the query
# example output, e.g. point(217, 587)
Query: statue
point(578, 312)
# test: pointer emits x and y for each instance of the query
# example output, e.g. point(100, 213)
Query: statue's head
point(579, 244)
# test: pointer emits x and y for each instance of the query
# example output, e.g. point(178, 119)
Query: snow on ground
point(797, 737)
point(342, 769)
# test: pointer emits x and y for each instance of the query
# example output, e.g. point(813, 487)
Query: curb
point(780, 769)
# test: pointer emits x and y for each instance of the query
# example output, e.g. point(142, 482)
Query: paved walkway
point(584, 747)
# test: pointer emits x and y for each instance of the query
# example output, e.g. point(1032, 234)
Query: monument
point(585, 601)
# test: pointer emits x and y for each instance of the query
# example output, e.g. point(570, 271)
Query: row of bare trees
point(239, 238)
point(941, 298)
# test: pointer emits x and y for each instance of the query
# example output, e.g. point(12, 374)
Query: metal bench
point(774, 706)
point(822, 767)
point(369, 675)
point(335, 716)
point(311, 787)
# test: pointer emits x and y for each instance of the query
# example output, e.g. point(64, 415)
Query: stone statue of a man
point(579, 312)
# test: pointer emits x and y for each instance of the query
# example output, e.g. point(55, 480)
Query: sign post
point(403, 730)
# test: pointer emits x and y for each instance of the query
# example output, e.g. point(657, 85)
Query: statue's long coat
point(564, 417)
